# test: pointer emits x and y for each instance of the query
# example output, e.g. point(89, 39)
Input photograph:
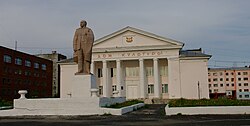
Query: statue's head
point(83, 23)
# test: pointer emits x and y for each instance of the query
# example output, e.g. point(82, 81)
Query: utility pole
point(15, 45)
point(199, 90)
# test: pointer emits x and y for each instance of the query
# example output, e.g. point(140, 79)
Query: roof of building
point(128, 28)
point(193, 53)
point(230, 68)
point(70, 60)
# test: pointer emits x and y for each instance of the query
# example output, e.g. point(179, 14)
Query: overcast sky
point(220, 27)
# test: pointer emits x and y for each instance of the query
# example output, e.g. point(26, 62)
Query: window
point(245, 73)
point(232, 79)
point(221, 79)
point(36, 65)
point(99, 71)
point(246, 90)
point(18, 61)
point(221, 85)
point(239, 84)
point(209, 74)
point(227, 79)
point(114, 88)
point(150, 89)
point(132, 71)
point(7, 59)
point(215, 90)
point(232, 85)
point(239, 79)
point(227, 85)
point(240, 90)
point(163, 70)
point(164, 88)
point(246, 96)
point(210, 91)
point(221, 73)
point(209, 80)
point(227, 74)
point(215, 85)
point(245, 78)
point(240, 96)
point(100, 90)
point(215, 79)
point(239, 73)
point(27, 63)
point(214, 74)
point(232, 73)
point(209, 85)
point(149, 71)
point(245, 84)
point(113, 72)
point(44, 66)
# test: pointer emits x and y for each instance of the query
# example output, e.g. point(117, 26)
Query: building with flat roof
point(231, 82)
point(21, 71)
point(136, 64)
point(54, 57)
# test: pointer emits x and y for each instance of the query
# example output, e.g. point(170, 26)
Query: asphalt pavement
point(151, 115)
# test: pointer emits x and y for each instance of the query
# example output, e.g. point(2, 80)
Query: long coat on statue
point(83, 40)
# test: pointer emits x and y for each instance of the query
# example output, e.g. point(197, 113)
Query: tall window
point(100, 90)
point(149, 71)
point(164, 88)
point(44, 66)
point(7, 59)
point(150, 88)
point(113, 72)
point(99, 72)
point(114, 88)
point(27, 63)
point(164, 71)
point(18, 61)
point(36, 65)
point(245, 73)
point(132, 72)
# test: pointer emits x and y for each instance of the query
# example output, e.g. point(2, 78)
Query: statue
point(82, 44)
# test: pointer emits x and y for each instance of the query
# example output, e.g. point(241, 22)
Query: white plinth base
point(82, 85)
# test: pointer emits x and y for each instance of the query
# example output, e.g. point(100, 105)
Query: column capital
point(104, 61)
point(155, 59)
point(141, 59)
point(118, 60)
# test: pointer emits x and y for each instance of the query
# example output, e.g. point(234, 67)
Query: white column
point(157, 86)
point(104, 79)
point(92, 67)
point(118, 77)
point(143, 86)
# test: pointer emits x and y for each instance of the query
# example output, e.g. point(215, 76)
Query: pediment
point(132, 37)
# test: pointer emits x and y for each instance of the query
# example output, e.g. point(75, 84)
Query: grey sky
point(220, 27)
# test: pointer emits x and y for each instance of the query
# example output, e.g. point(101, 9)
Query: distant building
point(230, 82)
point(136, 64)
point(55, 57)
point(21, 71)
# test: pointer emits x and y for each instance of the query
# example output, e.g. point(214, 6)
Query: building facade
point(136, 64)
point(54, 57)
point(230, 82)
point(21, 71)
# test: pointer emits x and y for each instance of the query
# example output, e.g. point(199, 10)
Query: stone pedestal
point(82, 85)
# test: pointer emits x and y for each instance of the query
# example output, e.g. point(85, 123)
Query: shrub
point(126, 103)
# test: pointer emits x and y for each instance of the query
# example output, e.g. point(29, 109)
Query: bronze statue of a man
point(82, 44)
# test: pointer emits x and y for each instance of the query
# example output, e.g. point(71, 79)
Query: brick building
point(230, 82)
point(21, 71)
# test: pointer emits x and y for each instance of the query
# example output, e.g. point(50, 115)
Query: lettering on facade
point(130, 54)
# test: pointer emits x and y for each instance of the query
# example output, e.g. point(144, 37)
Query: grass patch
point(207, 102)
point(124, 104)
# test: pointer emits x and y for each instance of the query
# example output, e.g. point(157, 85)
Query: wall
point(192, 72)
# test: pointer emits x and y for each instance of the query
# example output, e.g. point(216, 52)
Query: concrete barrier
point(207, 110)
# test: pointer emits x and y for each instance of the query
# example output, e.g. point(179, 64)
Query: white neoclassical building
point(136, 64)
